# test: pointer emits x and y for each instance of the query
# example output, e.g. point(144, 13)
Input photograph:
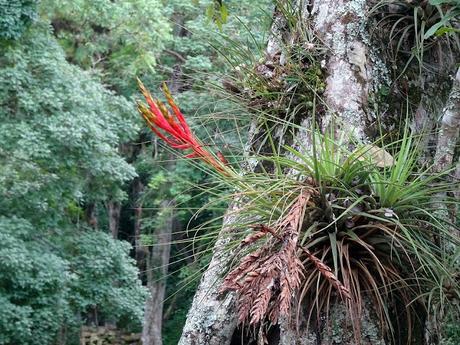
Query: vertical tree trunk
point(91, 215)
point(114, 210)
point(140, 250)
point(449, 131)
point(157, 259)
point(157, 268)
point(212, 317)
point(448, 140)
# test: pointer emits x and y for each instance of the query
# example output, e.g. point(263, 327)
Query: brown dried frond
point(253, 238)
point(260, 305)
point(289, 282)
point(326, 271)
point(247, 264)
point(267, 279)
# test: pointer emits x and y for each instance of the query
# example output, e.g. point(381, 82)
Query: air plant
point(416, 27)
point(345, 225)
point(174, 130)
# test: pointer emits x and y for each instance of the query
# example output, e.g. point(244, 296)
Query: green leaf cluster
point(15, 17)
point(60, 134)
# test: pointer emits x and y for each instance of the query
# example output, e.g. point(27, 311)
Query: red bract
point(173, 129)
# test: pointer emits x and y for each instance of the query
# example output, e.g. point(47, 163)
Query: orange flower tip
point(141, 86)
point(145, 112)
point(163, 109)
point(168, 94)
point(144, 91)
point(141, 106)
point(165, 88)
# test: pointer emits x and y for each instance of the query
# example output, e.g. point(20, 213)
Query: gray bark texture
point(140, 250)
point(448, 140)
point(91, 215)
point(354, 70)
point(157, 259)
point(114, 210)
point(157, 262)
point(212, 318)
point(450, 126)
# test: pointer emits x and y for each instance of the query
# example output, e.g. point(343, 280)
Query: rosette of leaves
point(367, 232)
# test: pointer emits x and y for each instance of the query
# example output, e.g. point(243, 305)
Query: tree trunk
point(157, 268)
point(449, 132)
point(91, 215)
point(354, 72)
point(114, 210)
point(448, 140)
point(212, 317)
point(140, 250)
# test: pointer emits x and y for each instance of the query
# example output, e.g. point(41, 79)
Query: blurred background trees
point(83, 186)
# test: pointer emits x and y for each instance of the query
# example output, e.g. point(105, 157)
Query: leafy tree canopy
point(60, 134)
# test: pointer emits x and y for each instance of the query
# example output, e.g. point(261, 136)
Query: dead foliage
point(268, 278)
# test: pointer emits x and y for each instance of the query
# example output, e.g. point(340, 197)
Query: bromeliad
point(174, 130)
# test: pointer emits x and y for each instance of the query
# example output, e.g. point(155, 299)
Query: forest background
point(83, 184)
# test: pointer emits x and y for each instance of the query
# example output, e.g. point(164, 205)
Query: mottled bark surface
point(91, 215)
point(449, 132)
point(140, 250)
point(157, 262)
point(448, 140)
point(212, 317)
point(341, 26)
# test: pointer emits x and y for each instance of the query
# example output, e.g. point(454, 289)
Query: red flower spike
point(175, 108)
point(174, 130)
point(222, 158)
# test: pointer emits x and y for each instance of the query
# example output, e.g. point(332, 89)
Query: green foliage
point(60, 130)
point(452, 330)
point(60, 133)
point(415, 30)
point(34, 285)
point(40, 291)
point(122, 39)
point(218, 12)
point(15, 17)
point(105, 278)
point(444, 25)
